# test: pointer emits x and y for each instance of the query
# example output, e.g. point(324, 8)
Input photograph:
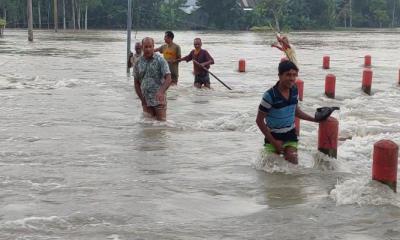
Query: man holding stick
point(201, 63)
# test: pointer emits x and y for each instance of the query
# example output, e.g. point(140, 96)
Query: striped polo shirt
point(280, 111)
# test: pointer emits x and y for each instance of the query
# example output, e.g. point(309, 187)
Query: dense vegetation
point(210, 14)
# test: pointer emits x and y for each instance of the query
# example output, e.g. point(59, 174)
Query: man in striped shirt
point(277, 112)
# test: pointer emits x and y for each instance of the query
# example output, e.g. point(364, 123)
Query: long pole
point(48, 15)
point(40, 15)
point(73, 13)
point(86, 8)
point(129, 27)
point(212, 74)
point(30, 21)
point(351, 14)
point(64, 22)
point(393, 12)
point(55, 16)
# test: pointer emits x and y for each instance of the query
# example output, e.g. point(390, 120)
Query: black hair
point(285, 66)
point(147, 38)
point(169, 34)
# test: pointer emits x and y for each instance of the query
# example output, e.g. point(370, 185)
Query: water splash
point(363, 191)
point(273, 163)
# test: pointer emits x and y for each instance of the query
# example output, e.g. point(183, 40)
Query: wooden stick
point(212, 74)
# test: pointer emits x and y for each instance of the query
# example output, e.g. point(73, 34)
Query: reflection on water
point(151, 139)
point(282, 190)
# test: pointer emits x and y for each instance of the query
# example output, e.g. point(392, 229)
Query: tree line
point(209, 14)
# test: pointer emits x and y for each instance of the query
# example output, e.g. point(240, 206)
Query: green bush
point(261, 29)
point(2, 23)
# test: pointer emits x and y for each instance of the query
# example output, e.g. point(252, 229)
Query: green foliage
point(2, 23)
point(379, 13)
point(214, 14)
point(274, 9)
point(223, 14)
point(299, 15)
point(171, 15)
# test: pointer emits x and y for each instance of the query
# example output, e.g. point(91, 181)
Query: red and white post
point(326, 62)
point(367, 61)
point(242, 65)
point(328, 136)
point(330, 85)
point(385, 160)
point(367, 81)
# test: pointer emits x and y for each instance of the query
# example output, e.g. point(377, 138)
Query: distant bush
point(261, 29)
point(2, 23)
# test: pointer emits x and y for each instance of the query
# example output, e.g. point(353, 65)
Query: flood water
point(79, 161)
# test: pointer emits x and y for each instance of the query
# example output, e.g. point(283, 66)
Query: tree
point(73, 13)
point(323, 13)
point(55, 12)
point(170, 13)
point(378, 10)
point(222, 14)
point(147, 13)
point(2, 26)
point(276, 9)
point(89, 4)
point(217, 14)
point(299, 14)
point(395, 6)
point(64, 19)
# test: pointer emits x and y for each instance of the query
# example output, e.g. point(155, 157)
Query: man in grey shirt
point(152, 79)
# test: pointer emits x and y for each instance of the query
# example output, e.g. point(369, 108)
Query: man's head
point(168, 37)
point(138, 48)
point(288, 72)
point(285, 40)
point(197, 43)
point(148, 47)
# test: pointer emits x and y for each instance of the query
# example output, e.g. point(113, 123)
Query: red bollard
point(242, 65)
point(367, 81)
point(367, 60)
point(300, 88)
point(326, 62)
point(330, 84)
point(384, 166)
point(328, 136)
point(297, 125)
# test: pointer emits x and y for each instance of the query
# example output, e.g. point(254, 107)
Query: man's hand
point(199, 64)
point(144, 106)
point(278, 146)
point(160, 97)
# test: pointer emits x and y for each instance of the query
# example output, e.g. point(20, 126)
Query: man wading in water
point(201, 62)
point(285, 47)
point(152, 79)
point(133, 58)
point(277, 112)
point(171, 52)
